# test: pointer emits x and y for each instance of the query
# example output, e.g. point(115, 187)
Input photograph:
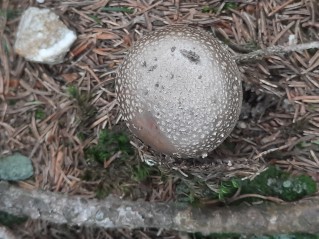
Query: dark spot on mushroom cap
point(197, 108)
point(192, 56)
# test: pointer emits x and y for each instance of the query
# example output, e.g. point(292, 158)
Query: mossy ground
point(125, 175)
point(11, 220)
point(272, 182)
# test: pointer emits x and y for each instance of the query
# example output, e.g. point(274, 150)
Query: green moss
point(272, 182)
point(308, 145)
point(73, 91)
point(312, 51)
point(275, 182)
point(81, 136)
point(184, 193)
point(9, 220)
point(192, 191)
point(102, 192)
point(10, 13)
point(230, 5)
point(303, 144)
point(118, 9)
point(141, 172)
point(289, 236)
point(209, 9)
point(126, 176)
point(96, 19)
point(40, 114)
point(228, 188)
point(12, 102)
point(216, 236)
point(108, 144)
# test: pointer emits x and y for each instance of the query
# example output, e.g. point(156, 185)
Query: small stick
point(270, 151)
point(269, 198)
point(255, 55)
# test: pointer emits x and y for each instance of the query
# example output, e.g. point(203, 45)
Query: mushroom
point(179, 91)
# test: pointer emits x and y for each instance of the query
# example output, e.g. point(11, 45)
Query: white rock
point(42, 37)
point(6, 233)
point(292, 40)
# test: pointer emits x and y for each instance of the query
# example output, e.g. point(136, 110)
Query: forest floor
point(66, 117)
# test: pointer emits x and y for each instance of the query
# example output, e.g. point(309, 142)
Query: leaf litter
point(56, 115)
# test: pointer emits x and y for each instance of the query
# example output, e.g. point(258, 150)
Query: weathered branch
point(115, 213)
point(255, 55)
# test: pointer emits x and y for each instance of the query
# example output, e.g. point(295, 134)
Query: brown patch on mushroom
point(145, 125)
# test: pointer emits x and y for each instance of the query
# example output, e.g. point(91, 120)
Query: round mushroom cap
point(179, 91)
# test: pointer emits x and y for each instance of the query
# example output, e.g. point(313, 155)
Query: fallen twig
point(252, 195)
point(115, 213)
point(255, 55)
point(262, 154)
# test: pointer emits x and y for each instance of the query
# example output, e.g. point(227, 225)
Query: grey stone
point(15, 167)
point(42, 37)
